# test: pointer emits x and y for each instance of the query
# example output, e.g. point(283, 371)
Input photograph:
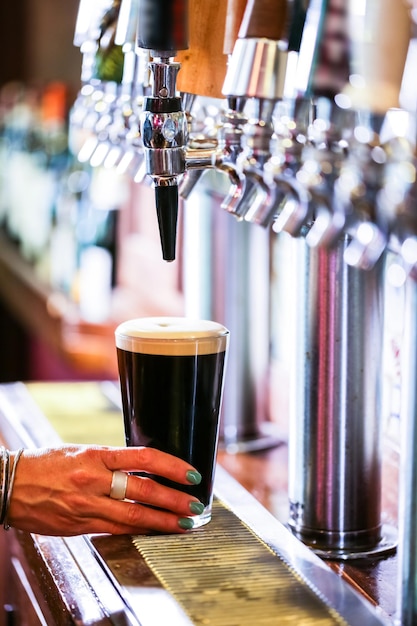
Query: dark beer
point(171, 382)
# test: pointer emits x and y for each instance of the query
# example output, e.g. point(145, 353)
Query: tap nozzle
point(164, 133)
point(162, 29)
point(166, 200)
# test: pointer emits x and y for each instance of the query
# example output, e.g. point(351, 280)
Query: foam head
point(171, 336)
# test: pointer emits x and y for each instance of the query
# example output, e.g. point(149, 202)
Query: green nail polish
point(193, 477)
point(186, 523)
point(196, 507)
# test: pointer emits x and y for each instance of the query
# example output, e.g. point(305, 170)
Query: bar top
point(22, 417)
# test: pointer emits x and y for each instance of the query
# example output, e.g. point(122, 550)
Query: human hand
point(66, 491)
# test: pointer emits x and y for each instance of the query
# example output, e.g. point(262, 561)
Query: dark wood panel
point(53, 318)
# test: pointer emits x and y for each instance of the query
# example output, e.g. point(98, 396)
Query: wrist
point(8, 465)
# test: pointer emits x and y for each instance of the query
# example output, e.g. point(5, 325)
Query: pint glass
point(171, 375)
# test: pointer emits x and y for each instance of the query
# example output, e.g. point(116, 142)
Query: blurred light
point(125, 162)
point(112, 157)
point(343, 101)
point(99, 155)
point(357, 81)
point(362, 134)
point(87, 150)
point(409, 251)
point(78, 181)
point(378, 155)
point(366, 233)
point(396, 275)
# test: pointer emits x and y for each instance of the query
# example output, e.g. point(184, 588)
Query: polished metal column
point(407, 517)
point(335, 430)
point(227, 278)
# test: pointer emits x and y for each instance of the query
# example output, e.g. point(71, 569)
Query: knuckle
point(178, 501)
point(135, 515)
point(81, 478)
point(146, 489)
point(147, 456)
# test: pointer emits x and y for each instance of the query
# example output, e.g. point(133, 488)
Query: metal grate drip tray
point(224, 575)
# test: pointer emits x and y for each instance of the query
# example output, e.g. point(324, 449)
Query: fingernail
point(196, 507)
point(193, 477)
point(186, 523)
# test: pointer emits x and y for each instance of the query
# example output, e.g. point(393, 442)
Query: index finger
point(151, 461)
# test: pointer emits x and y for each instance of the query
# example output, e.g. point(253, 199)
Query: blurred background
point(60, 221)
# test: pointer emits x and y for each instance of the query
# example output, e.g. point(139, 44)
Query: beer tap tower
point(336, 429)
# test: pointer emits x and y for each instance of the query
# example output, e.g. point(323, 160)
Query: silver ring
point(118, 485)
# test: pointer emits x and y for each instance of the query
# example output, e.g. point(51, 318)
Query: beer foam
point(171, 336)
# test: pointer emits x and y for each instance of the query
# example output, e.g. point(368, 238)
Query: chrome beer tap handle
point(373, 90)
point(325, 164)
point(202, 138)
point(230, 134)
point(221, 152)
point(383, 173)
point(271, 203)
point(257, 71)
point(279, 182)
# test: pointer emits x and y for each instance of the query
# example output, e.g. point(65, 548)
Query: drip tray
point(224, 575)
point(243, 568)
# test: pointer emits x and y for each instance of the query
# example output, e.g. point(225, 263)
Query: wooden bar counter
point(54, 580)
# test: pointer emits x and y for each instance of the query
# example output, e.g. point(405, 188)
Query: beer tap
point(331, 130)
point(227, 147)
point(202, 74)
point(244, 43)
point(373, 89)
point(320, 130)
point(257, 71)
point(86, 37)
point(233, 119)
point(106, 72)
point(219, 150)
point(162, 29)
point(280, 198)
point(112, 126)
point(124, 140)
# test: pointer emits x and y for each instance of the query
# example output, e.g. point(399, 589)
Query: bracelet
point(6, 526)
point(4, 480)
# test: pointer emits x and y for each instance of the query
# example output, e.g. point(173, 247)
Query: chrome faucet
point(162, 29)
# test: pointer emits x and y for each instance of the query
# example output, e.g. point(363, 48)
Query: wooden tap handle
point(264, 18)
point(203, 65)
point(235, 11)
